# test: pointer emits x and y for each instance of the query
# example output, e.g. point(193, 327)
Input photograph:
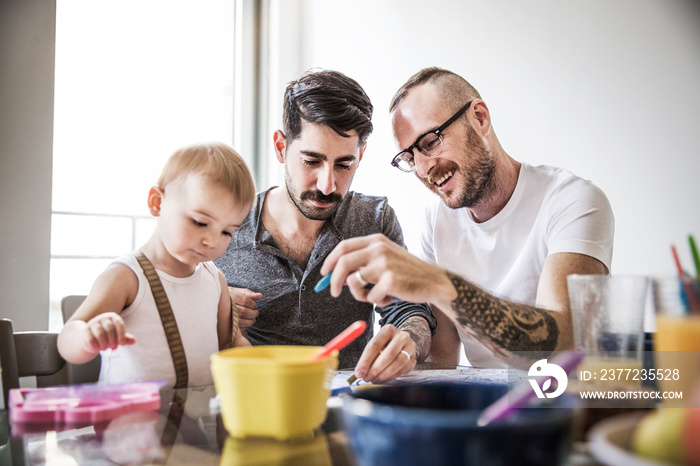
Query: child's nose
point(208, 239)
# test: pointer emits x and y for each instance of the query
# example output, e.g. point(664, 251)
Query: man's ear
point(362, 152)
point(280, 144)
point(483, 116)
point(155, 197)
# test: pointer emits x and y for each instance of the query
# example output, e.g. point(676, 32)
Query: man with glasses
point(274, 259)
point(498, 244)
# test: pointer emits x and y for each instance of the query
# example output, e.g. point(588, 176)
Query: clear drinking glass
point(608, 320)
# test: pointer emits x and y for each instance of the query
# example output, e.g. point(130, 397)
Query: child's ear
point(155, 197)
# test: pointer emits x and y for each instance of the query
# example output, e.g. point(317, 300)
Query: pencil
point(323, 283)
point(696, 257)
point(677, 260)
point(687, 291)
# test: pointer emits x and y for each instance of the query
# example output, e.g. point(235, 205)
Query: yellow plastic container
point(272, 391)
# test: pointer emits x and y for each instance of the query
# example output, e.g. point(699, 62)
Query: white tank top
point(194, 301)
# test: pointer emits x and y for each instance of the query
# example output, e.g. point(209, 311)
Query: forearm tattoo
point(418, 329)
point(508, 326)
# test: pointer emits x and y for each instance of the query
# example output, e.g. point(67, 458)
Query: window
point(135, 80)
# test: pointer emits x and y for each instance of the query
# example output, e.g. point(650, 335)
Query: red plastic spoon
point(342, 340)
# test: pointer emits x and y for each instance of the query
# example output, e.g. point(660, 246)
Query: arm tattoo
point(419, 331)
point(508, 326)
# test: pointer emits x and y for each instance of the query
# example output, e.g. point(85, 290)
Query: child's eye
point(227, 233)
point(198, 223)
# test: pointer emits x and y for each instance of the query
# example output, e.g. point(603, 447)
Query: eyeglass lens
point(430, 144)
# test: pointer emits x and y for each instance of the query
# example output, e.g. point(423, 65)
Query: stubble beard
point(478, 178)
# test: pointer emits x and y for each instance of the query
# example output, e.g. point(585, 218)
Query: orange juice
point(677, 333)
point(677, 346)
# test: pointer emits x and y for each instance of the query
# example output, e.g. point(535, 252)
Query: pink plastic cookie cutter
point(82, 404)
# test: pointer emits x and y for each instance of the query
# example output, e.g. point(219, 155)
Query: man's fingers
point(384, 357)
point(246, 316)
point(376, 294)
point(244, 297)
point(401, 365)
point(379, 294)
point(390, 365)
point(350, 246)
point(347, 266)
point(373, 350)
point(250, 296)
point(345, 247)
point(357, 288)
point(248, 313)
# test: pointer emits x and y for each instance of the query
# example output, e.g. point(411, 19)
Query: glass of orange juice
point(608, 320)
point(677, 337)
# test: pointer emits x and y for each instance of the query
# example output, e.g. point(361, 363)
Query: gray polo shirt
point(291, 312)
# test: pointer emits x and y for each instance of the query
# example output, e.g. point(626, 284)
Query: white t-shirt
point(551, 211)
point(195, 303)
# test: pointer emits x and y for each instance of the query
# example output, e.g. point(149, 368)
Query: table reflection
point(187, 429)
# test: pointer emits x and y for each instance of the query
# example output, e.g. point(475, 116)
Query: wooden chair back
point(28, 354)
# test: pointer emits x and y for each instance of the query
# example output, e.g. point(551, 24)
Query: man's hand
point(392, 269)
point(244, 299)
point(390, 354)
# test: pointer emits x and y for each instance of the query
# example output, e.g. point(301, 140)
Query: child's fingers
point(107, 331)
point(111, 333)
point(98, 337)
point(120, 328)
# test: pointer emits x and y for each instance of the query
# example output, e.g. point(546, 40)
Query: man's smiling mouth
point(440, 181)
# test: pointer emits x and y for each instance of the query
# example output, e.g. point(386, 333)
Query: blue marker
point(323, 283)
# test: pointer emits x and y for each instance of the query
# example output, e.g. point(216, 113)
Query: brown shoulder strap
point(177, 351)
point(234, 320)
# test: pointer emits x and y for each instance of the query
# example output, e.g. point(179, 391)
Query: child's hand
point(107, 331)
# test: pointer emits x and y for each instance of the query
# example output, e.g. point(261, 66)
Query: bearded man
point(499, 241)
point(274, 258)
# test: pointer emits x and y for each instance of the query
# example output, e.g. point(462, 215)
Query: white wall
point(26, 137)
point(607, 89)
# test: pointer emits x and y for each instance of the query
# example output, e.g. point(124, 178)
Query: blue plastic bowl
point(435, 424)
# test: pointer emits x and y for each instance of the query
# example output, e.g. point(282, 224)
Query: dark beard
point(310, 212)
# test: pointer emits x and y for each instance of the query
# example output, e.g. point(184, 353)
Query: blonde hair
point(218, 162)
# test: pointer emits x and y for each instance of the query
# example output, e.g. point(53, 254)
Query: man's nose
point(326, 180)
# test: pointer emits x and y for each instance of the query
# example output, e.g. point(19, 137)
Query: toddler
point(203, 195)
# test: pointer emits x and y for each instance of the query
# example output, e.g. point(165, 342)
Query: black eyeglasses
point(429, 143)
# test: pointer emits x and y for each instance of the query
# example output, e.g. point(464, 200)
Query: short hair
point(451, 86)
point(327, 98)
point(218, 162)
